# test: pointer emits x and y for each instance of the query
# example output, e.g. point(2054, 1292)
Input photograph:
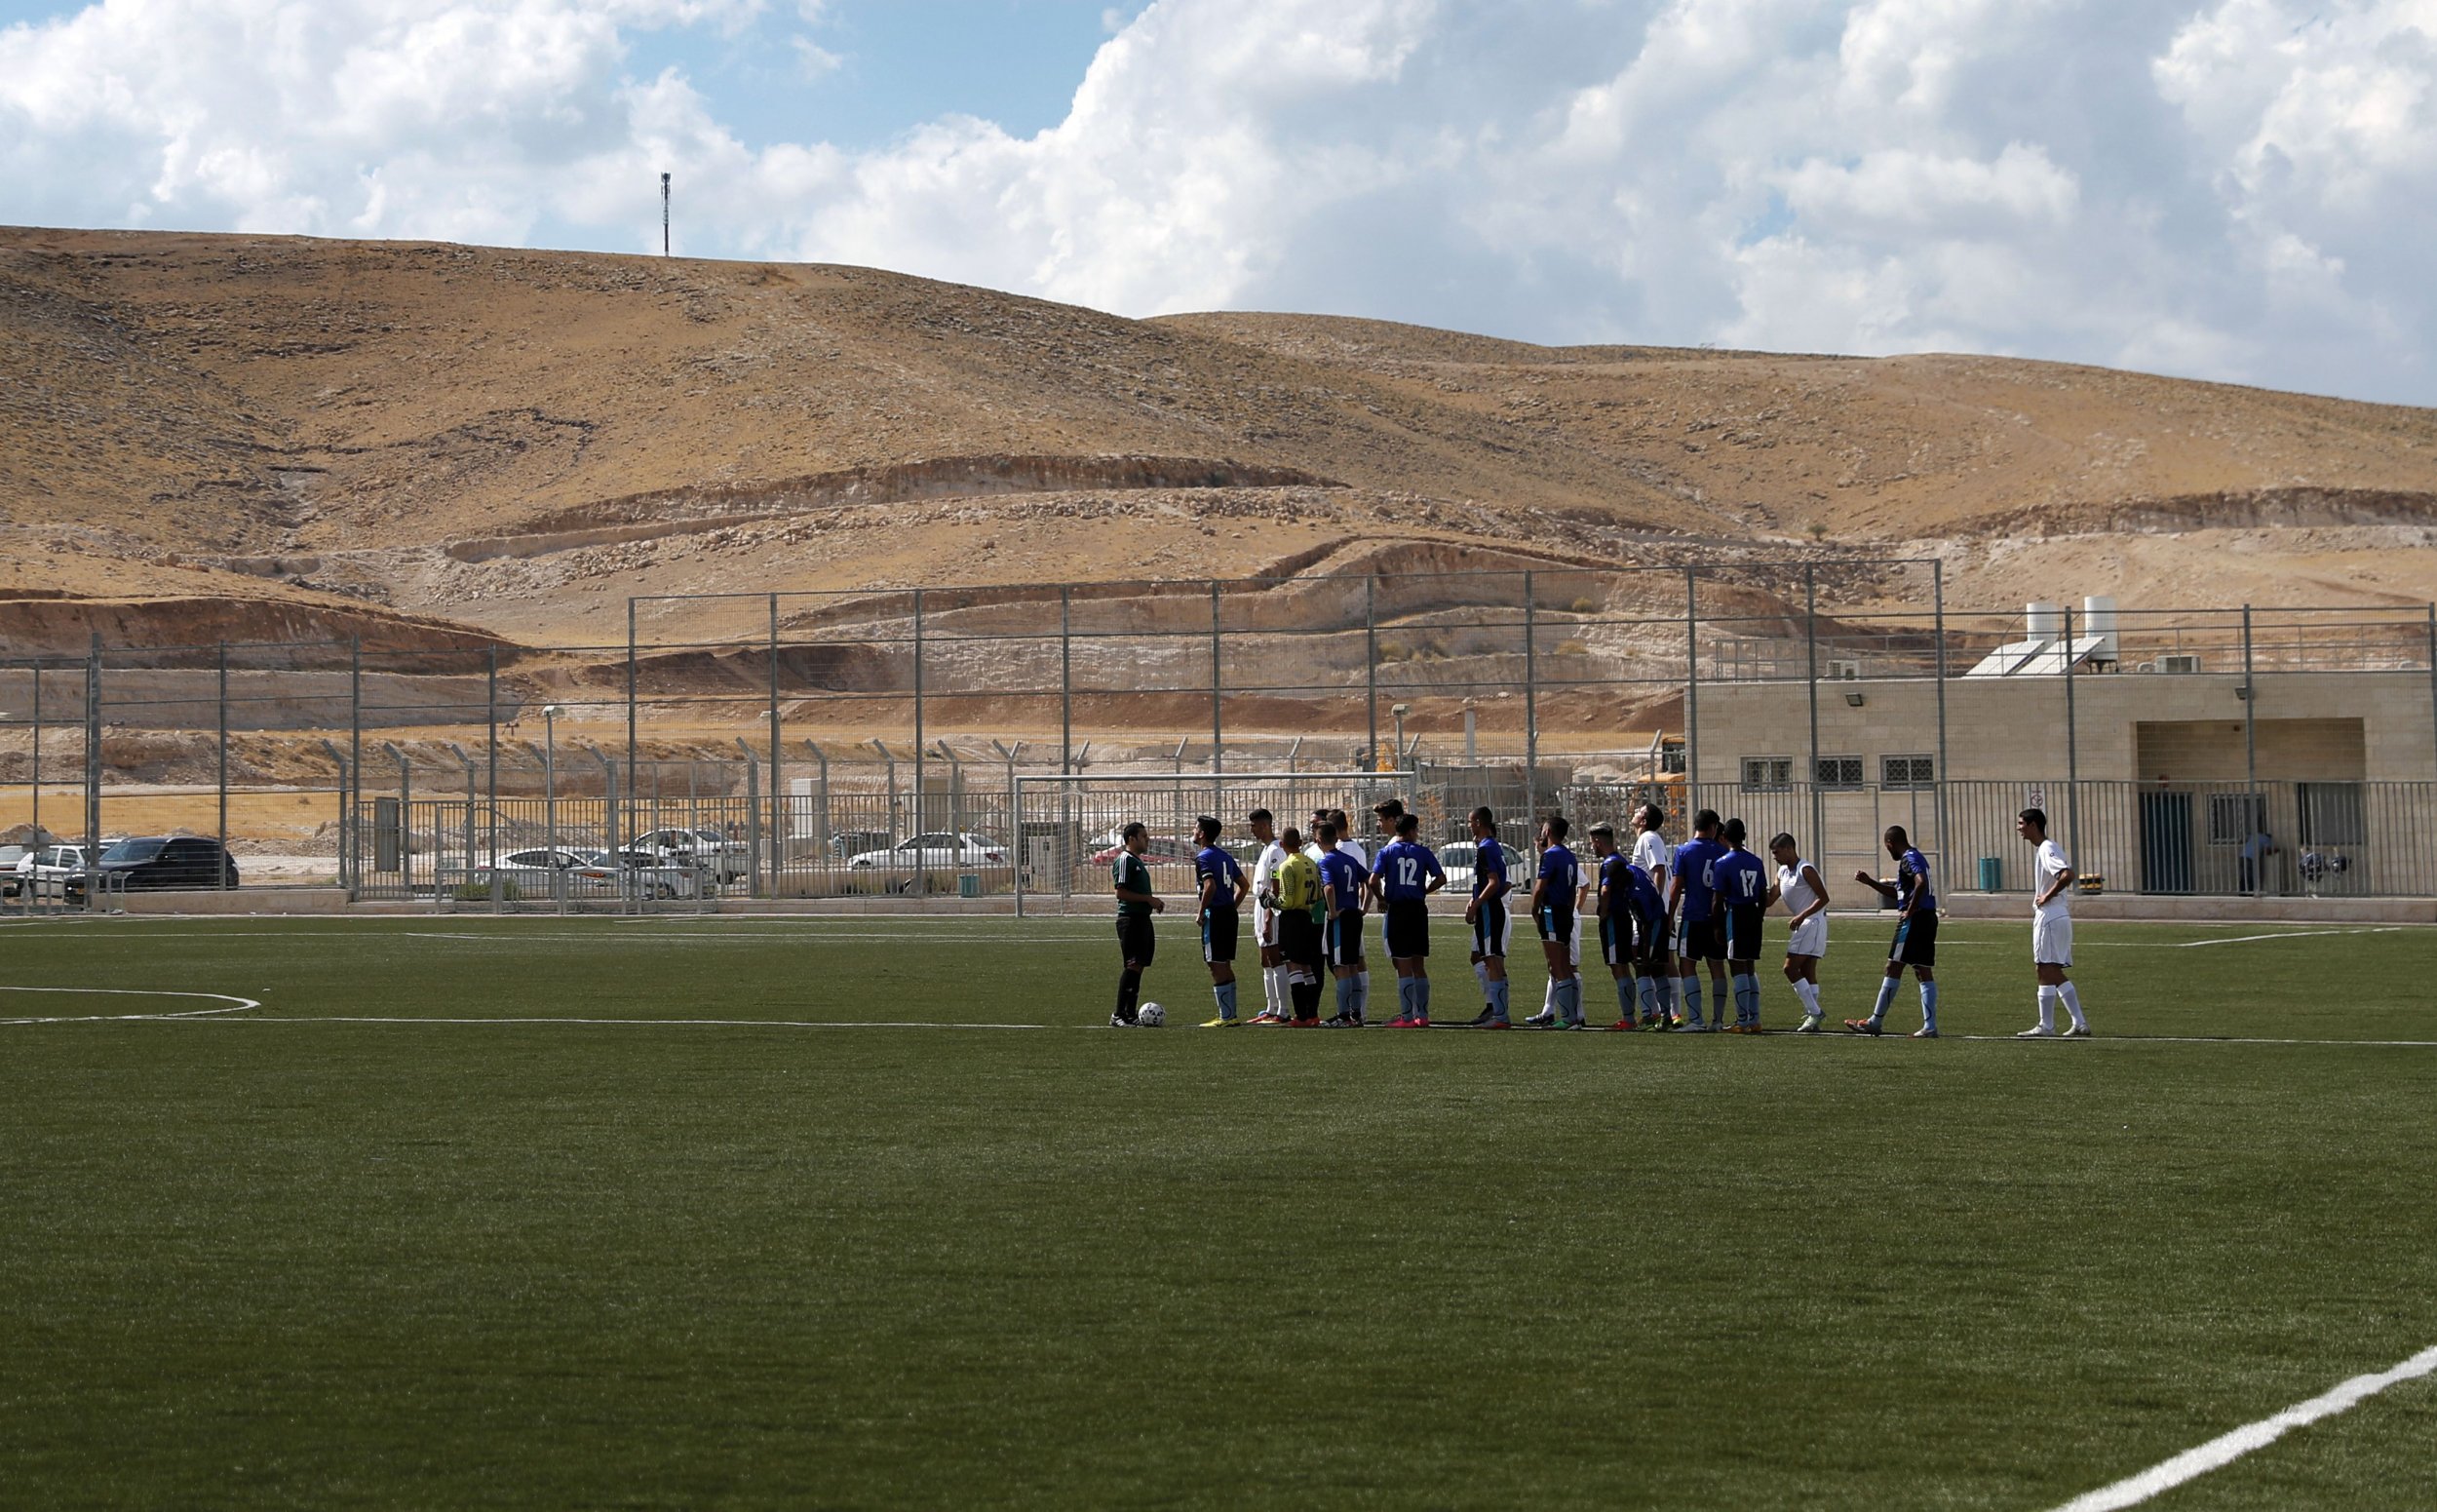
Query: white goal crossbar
point(1287, 795)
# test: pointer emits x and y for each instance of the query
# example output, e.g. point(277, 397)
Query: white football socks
point(2049, 998)
point(1809, 992)
point(2073, 1005)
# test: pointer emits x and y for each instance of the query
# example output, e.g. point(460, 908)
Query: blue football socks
point(1225, 992)
point(1421, 997)
point(1930, 1006)
point(1886, 997)
point(1497, 998)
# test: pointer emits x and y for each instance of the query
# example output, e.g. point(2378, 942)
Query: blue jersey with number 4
point(1214, 863)
point(1406, 867)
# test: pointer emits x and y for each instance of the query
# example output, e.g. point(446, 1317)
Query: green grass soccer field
point(622, 1214)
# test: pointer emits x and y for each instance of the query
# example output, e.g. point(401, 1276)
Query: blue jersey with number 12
point(1406, 867)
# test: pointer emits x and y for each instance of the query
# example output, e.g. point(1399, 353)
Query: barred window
point(1841, 771)
point(1907, 771)
point(1766, 772)
point(2233, 817)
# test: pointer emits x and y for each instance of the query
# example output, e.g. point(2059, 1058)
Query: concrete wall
point(2016, 726)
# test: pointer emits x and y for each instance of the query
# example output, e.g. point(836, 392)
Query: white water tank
point(2042, 620)
point(2098, 618)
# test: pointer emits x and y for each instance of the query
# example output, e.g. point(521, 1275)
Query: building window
point(1762, 772)
point(1907, 771)
point(1839, 771)
point(2234, 817)
point(2331, 814)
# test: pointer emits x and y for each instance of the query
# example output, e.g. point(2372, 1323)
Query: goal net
point(1067, 827)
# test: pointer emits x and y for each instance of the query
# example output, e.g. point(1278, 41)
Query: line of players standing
point(1311, 896)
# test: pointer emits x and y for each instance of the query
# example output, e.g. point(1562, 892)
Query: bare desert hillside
point(218, 436)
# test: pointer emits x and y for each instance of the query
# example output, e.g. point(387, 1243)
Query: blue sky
point(2231, 189)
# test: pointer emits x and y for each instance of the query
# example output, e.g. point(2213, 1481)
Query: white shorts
point(2052, 939)
point(1808, 938)
point(1264, 926)
point(1573, 947)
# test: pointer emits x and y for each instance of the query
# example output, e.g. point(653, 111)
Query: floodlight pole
point(1692, 689)
point(1532, 698)
point(222, 779)
point(1217, 724)
point(1811, 678)
point(1938, 612)
point(224, 718)
point(2072, 737)
point(664, 215)
point(2250, 751)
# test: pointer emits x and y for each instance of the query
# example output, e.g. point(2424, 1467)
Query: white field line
point(235, 1004)
point(2195, 1039)
point(747, 1023)
point(2225, 1448)
point(2290, 934)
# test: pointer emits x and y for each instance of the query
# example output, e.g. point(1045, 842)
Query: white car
point(648, 874)
point(1456, 859)
point(39, 872)
point(938, 852)
point(725, 858)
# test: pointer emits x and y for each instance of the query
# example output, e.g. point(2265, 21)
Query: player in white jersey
point(2051, 930)
point(1805, 897)
point(1653, 855)
point(1275, 1007)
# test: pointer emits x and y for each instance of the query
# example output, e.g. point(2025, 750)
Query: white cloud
point(2243, 191)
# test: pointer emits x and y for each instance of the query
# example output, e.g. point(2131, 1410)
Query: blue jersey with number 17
point(1738, 879)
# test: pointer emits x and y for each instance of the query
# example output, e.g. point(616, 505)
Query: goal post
point(1066, 822)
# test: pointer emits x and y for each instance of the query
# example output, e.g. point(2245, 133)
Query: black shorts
point(1743, 934)
point(1700, 940)
point(1557, 925)
point(1492, 929)
point(1649, 940)
point(1345, 938)
point(1616, 939)
point(1409, 929)
point(1298, 937)
point(1218, 931)
point(1136, 941)
point(1915, 940)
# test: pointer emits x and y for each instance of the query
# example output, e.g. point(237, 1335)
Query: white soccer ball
point(1149, 1016)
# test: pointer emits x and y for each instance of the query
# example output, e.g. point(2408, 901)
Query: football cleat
point(1809, 1025)
point(1570, 1024)
point(2037, 1031)
point(2077, 1032)
point(1862, 1026)
point(1924, 1033)
point(1118, 1021)
point(1304, 1024)
point(1544, 1019)
point(1344, 1021)
point(1221, 1022)
point(1623, 1026)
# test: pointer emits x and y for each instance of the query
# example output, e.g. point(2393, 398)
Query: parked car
point(44, 870)
point(145, 862)
point(1456, 857)
point(726, 859)
point(853, 842)
point(649, 873)
point(537, 873)
point(941, 852)
point(10, 856)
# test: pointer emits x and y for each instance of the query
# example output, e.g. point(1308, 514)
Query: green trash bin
point(1992, 874)
point(969, 885)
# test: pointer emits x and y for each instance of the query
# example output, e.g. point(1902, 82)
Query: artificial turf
point(259, 1261)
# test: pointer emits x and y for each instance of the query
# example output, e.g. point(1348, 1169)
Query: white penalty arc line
point(2225, 1448)
point(2282, 934)
point(235, 1004)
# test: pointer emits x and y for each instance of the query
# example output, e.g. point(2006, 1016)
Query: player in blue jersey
point(1630, 917)
point(1221, 882)
point(1342, 879)
point(1486, 913)
point(1915, 946)
point(1691, 912)
point(1407, 874)
point(1739, 901)
point(1554, 894)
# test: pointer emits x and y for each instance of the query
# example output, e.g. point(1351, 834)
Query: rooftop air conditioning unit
point(1845, 668)
point(2179, 661)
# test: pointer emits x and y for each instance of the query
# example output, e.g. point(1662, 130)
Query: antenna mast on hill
point(664, 215)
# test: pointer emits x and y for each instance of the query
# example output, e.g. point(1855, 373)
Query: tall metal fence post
point(1217, 728)
point(780, 823)
point(349, 839)
point(2072, 738)
point(490, 748)
point(221, 780)
point(1937, 613)
point(2432, 680)
point(1692, 689)
point(919, 824)
point(1531, 697)
point(1810, 654)
point(38, 733)
point(1371, 669)
point(2250, 752)
point(1066, 681)
point(93, 772)
point(630, 697)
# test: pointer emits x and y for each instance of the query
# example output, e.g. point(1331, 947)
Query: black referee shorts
point(1409, 929)
point(1136, 941)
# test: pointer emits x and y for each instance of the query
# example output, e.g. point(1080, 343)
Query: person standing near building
point(1407, 875)
point(1915, 935)
point(1265, 920)
point(1652, 857)
point(1554, 894)
point(2051, 930)
point(1130, 877)
point(1805, 897)
point(1493, 928)
point(1739, 889)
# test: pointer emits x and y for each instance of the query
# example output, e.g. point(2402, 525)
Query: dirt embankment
point(54, 623)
